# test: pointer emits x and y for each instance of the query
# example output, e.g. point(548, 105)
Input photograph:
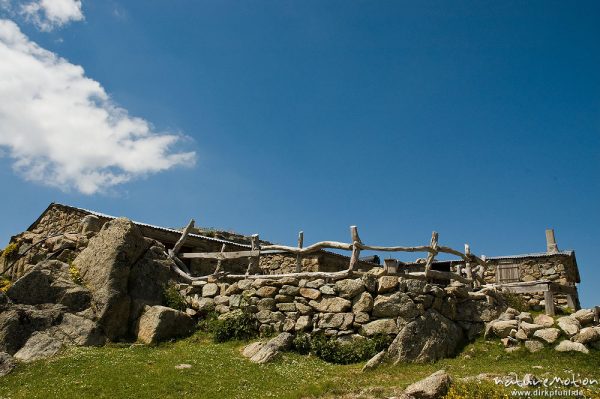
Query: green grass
point(219, 371)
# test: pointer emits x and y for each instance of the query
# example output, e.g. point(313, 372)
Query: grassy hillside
point(219, 371)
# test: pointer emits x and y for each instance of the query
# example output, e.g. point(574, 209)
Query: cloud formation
point(50, 14)
point(62, 129)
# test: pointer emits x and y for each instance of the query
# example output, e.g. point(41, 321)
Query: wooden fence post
point(355, 247)
point(177, 247)
point(252, 261)
point(549, 302)
point(468, 269)
point(431, 255)
point(219, 262)
point(298, 258)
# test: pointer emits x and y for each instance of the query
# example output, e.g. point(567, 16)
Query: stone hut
point(550, 276)
point(36, 243)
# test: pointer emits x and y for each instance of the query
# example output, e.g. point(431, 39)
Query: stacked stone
point(372, 304)
point(285, 263)
point(575, 332)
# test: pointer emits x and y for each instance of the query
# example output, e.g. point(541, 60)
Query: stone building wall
point(559, 268)
point(38, 243)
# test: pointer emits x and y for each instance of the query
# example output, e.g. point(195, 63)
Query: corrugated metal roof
point(532, 255)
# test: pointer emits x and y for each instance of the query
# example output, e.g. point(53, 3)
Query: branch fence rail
point(473, 275)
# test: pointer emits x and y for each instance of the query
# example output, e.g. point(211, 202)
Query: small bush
point(516, 301)
point(482, 390)
point(334, 351)
point(75, 275)
point(11, 251)
point(240, 326)
point(207, 323)
point(4, 284)
point(173, 298)
point(301, 343)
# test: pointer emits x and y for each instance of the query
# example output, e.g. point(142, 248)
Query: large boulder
point(433, 387)
point(569, 346)
point(105, 265)
point(78, 331)
point(502, 328)
point(20, 321)
point(271, 349)
point(569, 325)
point(50, 282)
point(549, 335)
point(426, 339)
point(584, 316)
point(160, 323)
point(147, 280)
point(587, 335)
point(39, 346)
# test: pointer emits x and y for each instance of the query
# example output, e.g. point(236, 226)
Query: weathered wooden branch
point(220, 261)
point(220, 255)
point(324, 275)
point(468, 270)
point(300, 245)
point(253, 259)
point(310, 249)
point(431, 255)
point(183, 237)
point(355, 248)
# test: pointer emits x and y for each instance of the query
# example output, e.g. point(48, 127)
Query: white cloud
point(62, 129)
point(50, 14)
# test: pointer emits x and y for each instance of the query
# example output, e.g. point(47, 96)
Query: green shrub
point(516, 301)
point(11, 251)
point(4, 284)
point(334, 351)
point(207, 323)
point(240, 325)
point(481, 390)
point(75, 275)
point(173, 298)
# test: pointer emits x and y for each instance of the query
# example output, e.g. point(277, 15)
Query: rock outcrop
point(105, 266)
point(50, 282)
point(435, 386)
point(160, 323)
point(264, 353)
point(428, 338)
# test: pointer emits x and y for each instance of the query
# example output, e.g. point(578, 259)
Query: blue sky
point(480, 120)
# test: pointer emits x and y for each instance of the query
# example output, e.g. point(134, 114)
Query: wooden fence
point(356, 246)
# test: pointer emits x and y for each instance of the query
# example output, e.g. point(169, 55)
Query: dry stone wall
point(365, 306)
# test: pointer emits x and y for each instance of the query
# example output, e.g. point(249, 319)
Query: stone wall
point(34, 245)
point(317, 262)
point(366, 306)
point(559, 268)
